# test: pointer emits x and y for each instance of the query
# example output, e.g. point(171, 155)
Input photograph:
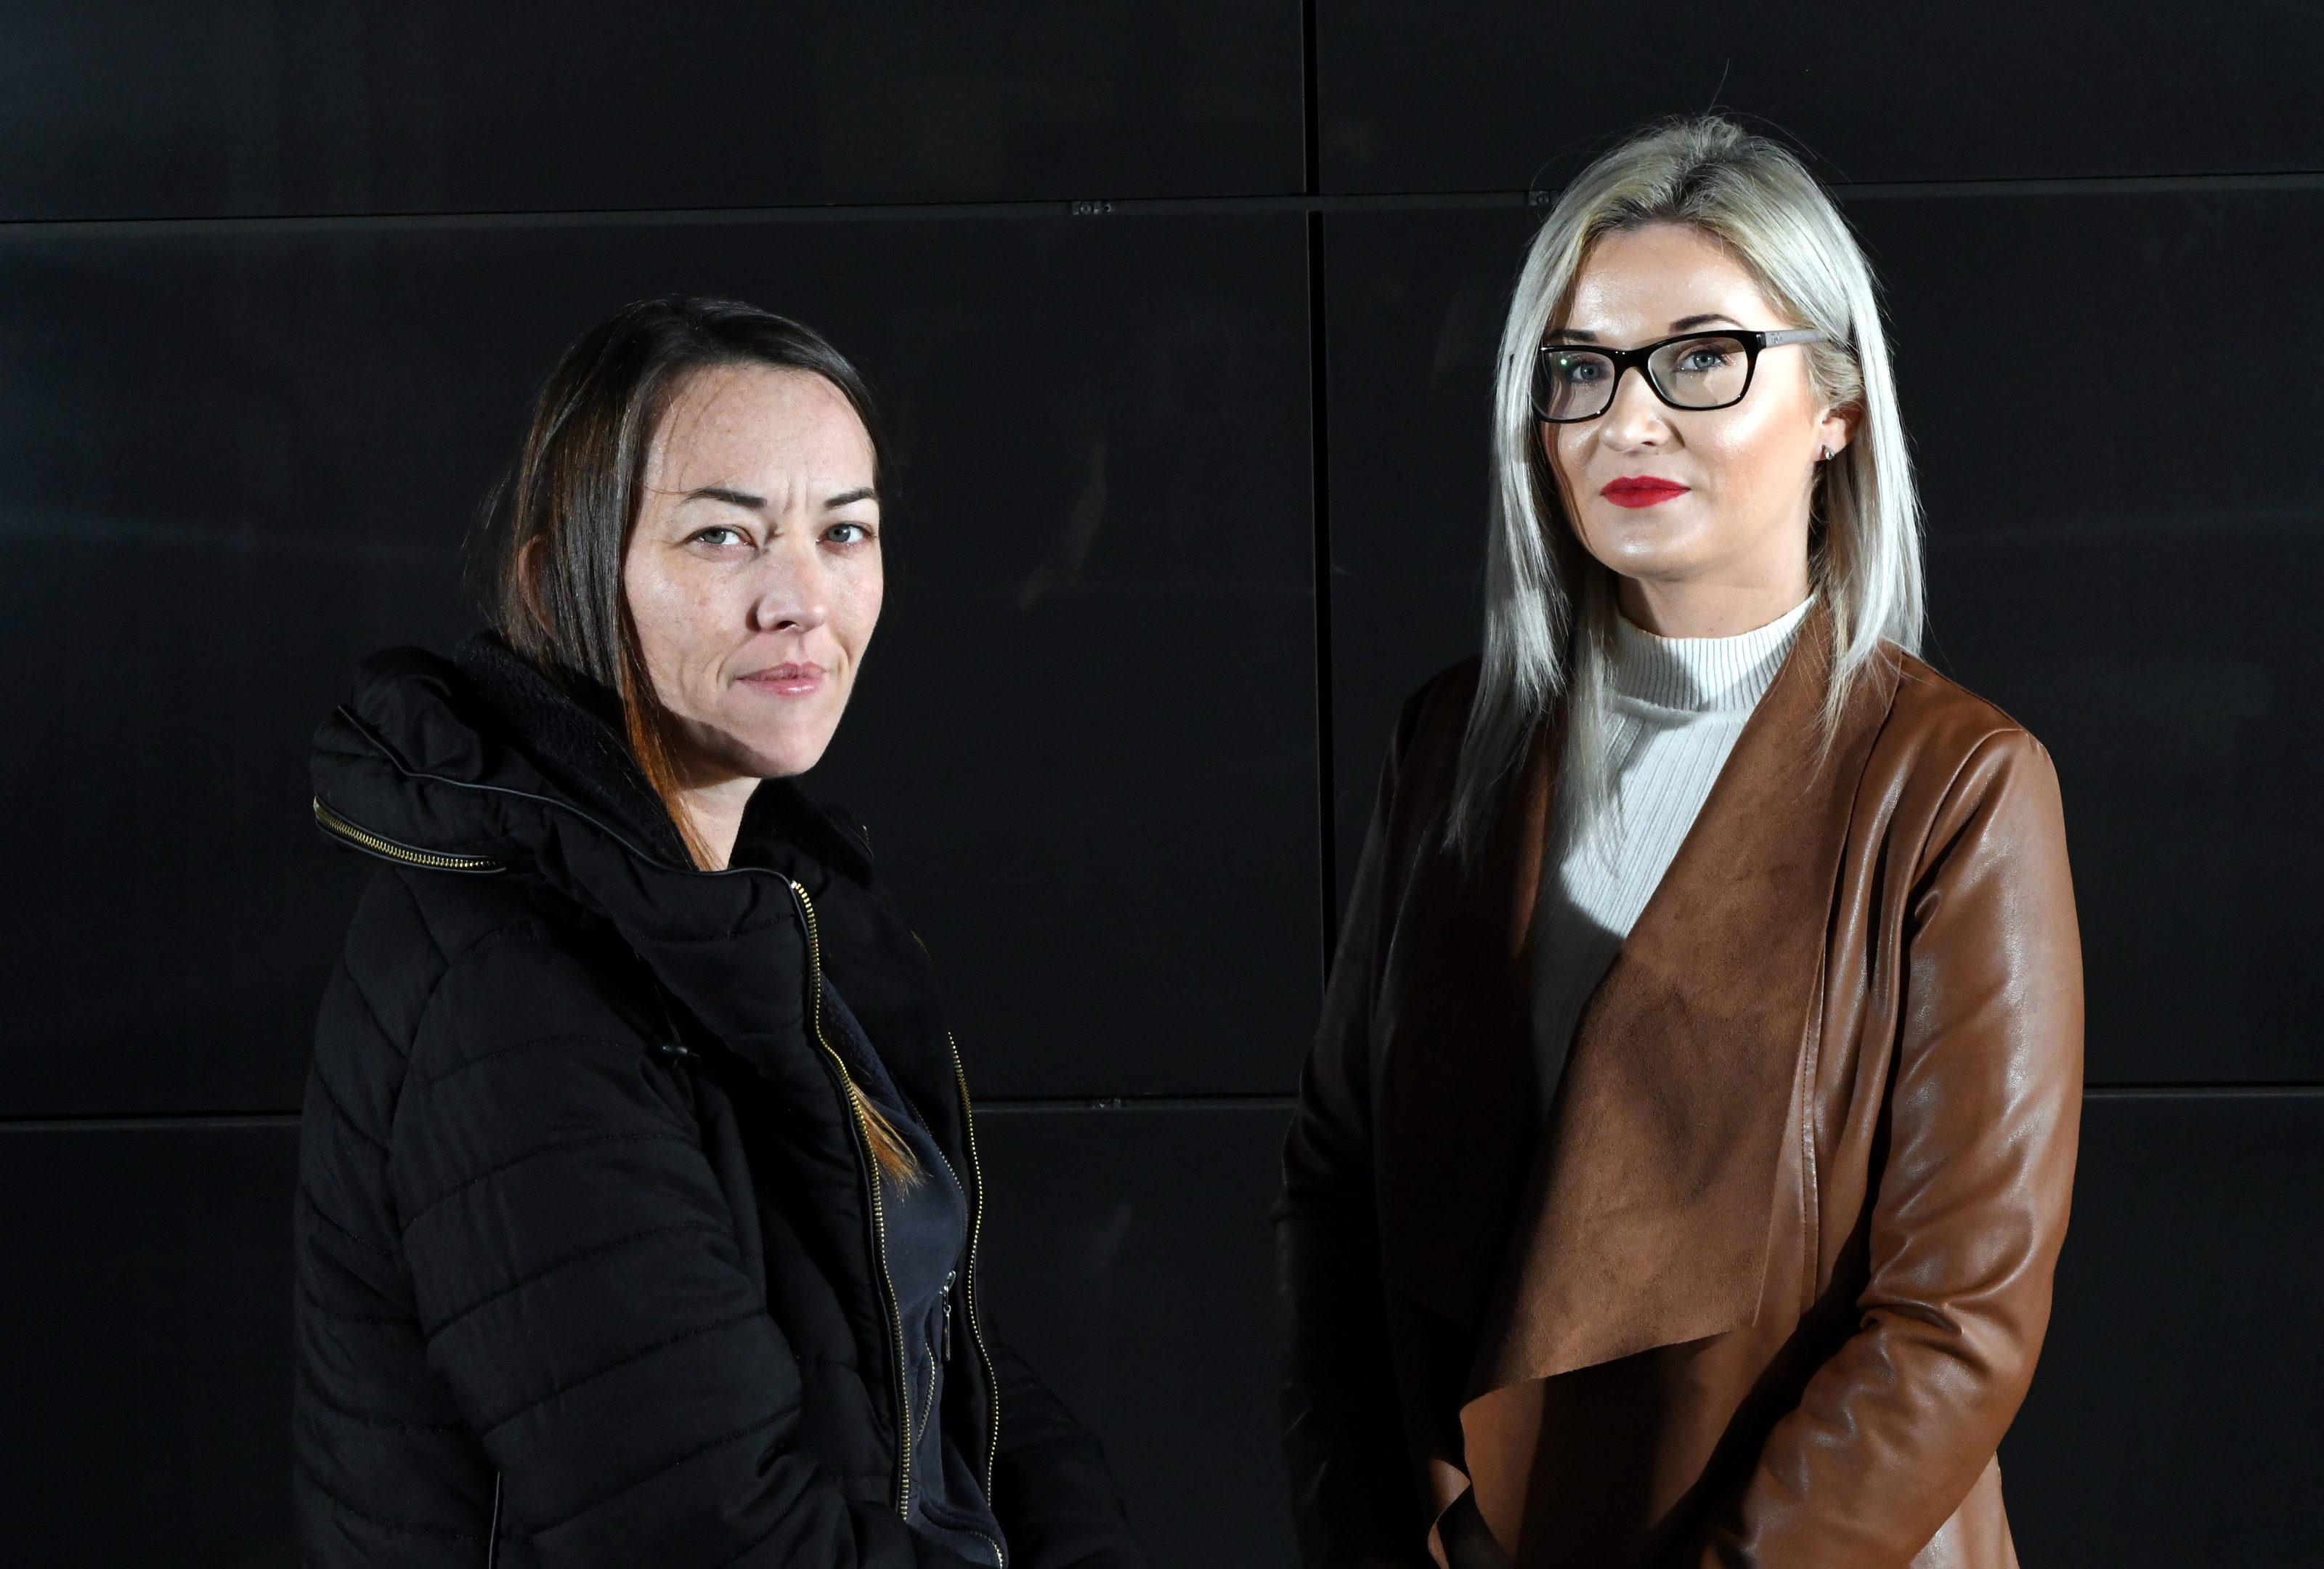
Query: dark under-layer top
point(928, 1249)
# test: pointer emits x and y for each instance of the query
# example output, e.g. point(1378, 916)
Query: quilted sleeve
point(583, 1294)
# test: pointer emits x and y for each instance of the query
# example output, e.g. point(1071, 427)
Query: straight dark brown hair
point(565, 511)
point(565, 514)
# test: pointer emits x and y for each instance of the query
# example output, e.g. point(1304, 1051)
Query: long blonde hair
point(1549, 606)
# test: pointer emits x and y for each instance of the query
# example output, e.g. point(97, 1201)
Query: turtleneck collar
point(1702, 674)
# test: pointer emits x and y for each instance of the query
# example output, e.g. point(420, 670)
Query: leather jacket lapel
point(1648, 1210)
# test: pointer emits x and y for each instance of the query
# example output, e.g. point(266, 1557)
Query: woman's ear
point(1838, 427)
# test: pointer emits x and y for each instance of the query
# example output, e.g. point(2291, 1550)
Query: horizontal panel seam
point(142, 1122)
point(2198, 1092)
point(133, 1122)
point(1098, 205)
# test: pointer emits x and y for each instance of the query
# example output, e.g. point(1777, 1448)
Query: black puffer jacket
point(588, 1240)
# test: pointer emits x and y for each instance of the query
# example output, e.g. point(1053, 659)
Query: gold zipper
point(968, 1282)
point(879, 1211)
point(338, 827)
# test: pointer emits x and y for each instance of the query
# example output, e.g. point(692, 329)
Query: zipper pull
point(949, 1277)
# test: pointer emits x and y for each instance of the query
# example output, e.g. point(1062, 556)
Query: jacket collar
point(480, 757)
point(579, 756)
point(1642, 1217)
point(582, 758)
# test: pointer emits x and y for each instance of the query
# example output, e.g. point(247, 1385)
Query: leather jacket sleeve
point(1981, 1117)
point(1353, 1497)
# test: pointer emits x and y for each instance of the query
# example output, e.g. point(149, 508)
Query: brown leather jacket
point(1769, 1286)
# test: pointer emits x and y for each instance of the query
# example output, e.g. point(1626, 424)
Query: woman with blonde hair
point(1680, 1167)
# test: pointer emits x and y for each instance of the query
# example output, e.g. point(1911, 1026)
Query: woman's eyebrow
point(861, 492)
point(732, 497)
point(1683, 324)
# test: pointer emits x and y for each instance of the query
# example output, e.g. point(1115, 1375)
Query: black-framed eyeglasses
point(1572, 381)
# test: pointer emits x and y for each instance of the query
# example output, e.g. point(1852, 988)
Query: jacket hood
point(495, 751)
point(478, 766)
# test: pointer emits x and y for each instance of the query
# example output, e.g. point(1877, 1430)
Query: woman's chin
point(758, 751)
point(794, 752)
point(1654, 561)
point(1641, 543)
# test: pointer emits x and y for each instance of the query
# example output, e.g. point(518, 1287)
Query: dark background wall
point(1182, 311)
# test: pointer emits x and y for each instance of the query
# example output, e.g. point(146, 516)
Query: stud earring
point(1823, 455)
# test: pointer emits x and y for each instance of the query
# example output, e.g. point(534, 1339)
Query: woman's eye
point(1702, 358)
point(846, 533)
point(716, 535)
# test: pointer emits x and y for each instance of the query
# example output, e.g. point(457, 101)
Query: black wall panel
point(145, 1283)
point(1131, 1264)
point(2123, 562)
point(1415, 302)
point(239, 460)
point(246, 414)
point(1483, 95)
point(121, 109)
point(2130, 567)
point(2178, 1417)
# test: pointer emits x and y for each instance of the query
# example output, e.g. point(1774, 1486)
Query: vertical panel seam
point(1326, 790)
point(1307, 94)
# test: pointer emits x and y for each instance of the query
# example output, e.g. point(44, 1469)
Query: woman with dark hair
point(639, 1202)
point(1681, 1167)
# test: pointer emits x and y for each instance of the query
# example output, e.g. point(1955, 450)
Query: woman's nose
point(1635, 418)
point(793, 589)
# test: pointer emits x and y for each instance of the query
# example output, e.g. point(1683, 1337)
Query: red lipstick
point(1641, 490)
point(791, 679)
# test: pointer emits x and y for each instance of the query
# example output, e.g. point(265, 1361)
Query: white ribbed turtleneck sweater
point(1677, 705)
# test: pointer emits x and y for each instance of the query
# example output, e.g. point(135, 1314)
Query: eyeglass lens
point(1694, 373)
